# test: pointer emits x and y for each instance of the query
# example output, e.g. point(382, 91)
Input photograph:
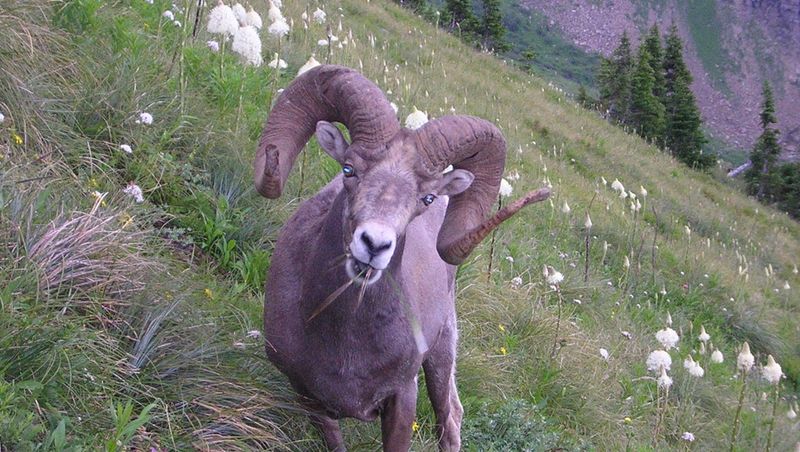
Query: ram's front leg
point(397, 417)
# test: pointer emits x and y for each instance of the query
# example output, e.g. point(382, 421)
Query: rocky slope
point(731, 47)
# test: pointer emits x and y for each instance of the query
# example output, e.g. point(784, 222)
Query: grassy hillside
point(135, 325)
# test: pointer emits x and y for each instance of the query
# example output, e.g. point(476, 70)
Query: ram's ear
point(330, 138)
point(455, 182)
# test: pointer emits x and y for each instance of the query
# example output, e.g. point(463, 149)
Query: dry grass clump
point(96, 252)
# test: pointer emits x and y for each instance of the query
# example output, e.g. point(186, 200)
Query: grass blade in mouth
point(329, 300)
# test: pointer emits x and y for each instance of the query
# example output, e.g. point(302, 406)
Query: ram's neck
point(352, 303)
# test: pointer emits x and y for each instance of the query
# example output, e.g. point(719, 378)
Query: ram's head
point(391, 174)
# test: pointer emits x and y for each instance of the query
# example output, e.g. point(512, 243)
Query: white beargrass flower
point(716, 357)
point(322, 42)
point(240, 13)
point(253, 334)
point(658, 359)
point(394, 107)
point(416, 119)
point(516, 282)
point(689, 362)
point(688, 437)
point(247, 44)
point(319, 16)
point(274, 13)
point(552, 276)
point(664, 381)
point(623, 194)
point(279, 28)
point(505, 188)
point(786, 285)
point(696, 371)
point(277, 63)
point(253, 19)
point(704, 337)
point(745, 359)
point(772, 371)
point(643, 191)
point(604, 354)
point(168, 15)
point(2, 118)
point(669, 319)
point(213, 45)
point(310, 64)
point(791, 414)
point(627, 262)
point(668, 338)
point(588, 222)
point(617, 185)
point(222, 20)
point(126, 148)
point(603, 180)
point(135, 192)
point(145, 118)
point(565, 209)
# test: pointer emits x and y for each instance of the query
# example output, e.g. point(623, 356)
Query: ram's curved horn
point(477, 146)
point(325, 93)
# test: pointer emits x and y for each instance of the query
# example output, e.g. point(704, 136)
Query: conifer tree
point(492, 30)
point(461, 16)
point(766, 151)
point(653, 43)
point(614, 80)
point(646, 110)
point(683, 135)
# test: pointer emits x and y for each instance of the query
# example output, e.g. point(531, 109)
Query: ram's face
point(384, 192)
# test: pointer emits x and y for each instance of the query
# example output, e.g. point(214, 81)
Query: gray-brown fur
point(359, 357)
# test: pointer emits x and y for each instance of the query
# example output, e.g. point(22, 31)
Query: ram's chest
point(351, 372)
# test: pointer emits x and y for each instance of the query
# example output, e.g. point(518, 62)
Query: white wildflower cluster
point(247, 44)
point(2, 118)
point(145, 118)
point(310, 64)
point(319, 16)
point(658, 359)
point(126, 148)
point(552, 276)
point(222, 20)
point(667, 337)
point(693, 367)
point(277, 63)
point(772, 371)
point(416, 119)
point(745, 360)
point(135, 192)
point(505, 188)
point(278, 26)
point(169, 16)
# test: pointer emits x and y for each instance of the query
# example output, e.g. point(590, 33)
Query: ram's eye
point(348, 170)
point(428, 199)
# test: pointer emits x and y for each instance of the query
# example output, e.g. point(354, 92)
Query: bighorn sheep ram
point(360, 292)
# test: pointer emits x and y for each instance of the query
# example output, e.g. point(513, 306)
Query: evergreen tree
point(646, 110)
point(674, 67)
point(766, 151)
point(461, 16)
point(583, 98)
point(787, 189)
point(653, 43)
point(614, 80)
point(492, 30)
point(683, 134)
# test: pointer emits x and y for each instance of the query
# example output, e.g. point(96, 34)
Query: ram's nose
point(373, 243)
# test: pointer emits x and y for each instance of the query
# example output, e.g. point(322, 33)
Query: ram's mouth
point(361, 272)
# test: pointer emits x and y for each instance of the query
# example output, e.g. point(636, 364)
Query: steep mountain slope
point(731, 48)
point(110, 303)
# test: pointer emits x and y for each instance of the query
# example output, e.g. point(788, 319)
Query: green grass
point(115, 311)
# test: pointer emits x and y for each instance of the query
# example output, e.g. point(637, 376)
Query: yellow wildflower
point(415, 427)
point(125, 219)
point(208, 293)
point(501, 328)
point(627, 420)
point(503, 351)
point(16, 138)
